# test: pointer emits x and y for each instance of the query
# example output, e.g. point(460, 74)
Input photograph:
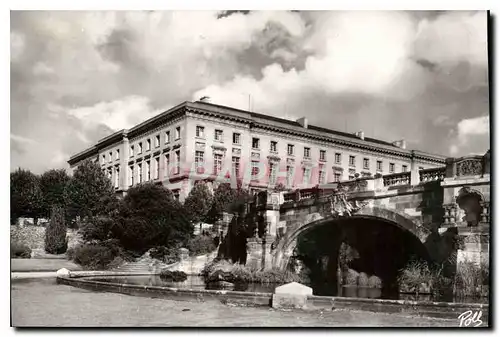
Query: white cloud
point(21, 139)
point(454, 37)
point(17, 44)
point(474, 126)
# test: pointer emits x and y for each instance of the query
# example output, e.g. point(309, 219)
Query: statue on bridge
point(340, 206)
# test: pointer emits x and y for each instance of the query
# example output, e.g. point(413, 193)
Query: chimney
point(400, 143)
point(302, 121)
point(360, 135)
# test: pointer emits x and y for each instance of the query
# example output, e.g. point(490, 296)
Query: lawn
point(27, 265)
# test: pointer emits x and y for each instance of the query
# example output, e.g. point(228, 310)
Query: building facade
point(197, 141)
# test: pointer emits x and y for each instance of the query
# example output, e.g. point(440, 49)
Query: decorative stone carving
point(432, 174)
point(450, 214)
point(337, 169)
point(236, 151)
point(290, 161)
point(200, 146)
point(469, 167)
point(339, 206)
point(397, 179)
point(219, 148)
point(256, 155)
point(274, 158)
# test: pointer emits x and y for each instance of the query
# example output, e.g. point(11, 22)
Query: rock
point(63, 272)
point(291, 296)
point(224, 285)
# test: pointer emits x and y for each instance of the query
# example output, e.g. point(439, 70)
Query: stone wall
point(34, 236)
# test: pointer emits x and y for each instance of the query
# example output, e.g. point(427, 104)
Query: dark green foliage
point(227, 199)
point(198, 203)
point(19, 250)
point(25, 195)
point(90, 192)
point(55, 233)
point(174, 276)
point(201, 244)
point(166, 255)
point(96, 229)
point(53, 184)
point(94, 256)
point(148, 217)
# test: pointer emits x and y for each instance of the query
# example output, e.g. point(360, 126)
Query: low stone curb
point(442, 310)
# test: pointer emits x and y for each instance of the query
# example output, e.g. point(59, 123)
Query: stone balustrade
point(432, 174)
point(397, 179)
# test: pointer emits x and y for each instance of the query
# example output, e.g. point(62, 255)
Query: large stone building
point(202, 141)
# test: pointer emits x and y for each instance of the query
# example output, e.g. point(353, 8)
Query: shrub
point(374, 282)
point(19, 250)
point(363, 280)
point(468, 280)
point(94, 256)
point(352, 277)
point(223, 270)
point(175, 276)
point(96, 229)
point(55, 233)
point(167, 255)
point(201, 244)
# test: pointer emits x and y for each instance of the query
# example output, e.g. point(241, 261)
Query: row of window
point(110, 156)
point(139, 148)
point(139, 173)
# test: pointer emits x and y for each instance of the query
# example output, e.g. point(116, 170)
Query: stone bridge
point(441, 212)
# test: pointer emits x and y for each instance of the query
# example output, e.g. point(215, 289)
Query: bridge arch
point(288, 243)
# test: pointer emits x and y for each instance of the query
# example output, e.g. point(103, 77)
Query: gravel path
point(46, 265)
point(42, 302)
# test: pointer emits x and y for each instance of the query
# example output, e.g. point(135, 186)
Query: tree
point(227, 199)
point(90, 192)
point(53, 184)
point(198, 203)
point(148, 217)
point(55, 233)
point(25, 195)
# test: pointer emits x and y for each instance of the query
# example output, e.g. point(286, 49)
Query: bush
point(200, 245)
point(167, 255)
point(223, 270)
point(94, 256)
point(96, 229)
point(19, 250)
point(469, 279)
point(174, 276)
point(374, 282)
point(352, 277)
point(55, 233)
point(363, 280)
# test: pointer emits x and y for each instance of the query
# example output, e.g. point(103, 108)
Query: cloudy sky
point(78, 76)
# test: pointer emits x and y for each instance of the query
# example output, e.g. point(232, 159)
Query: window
point(405, 168)
point(131, 152)
point(103, 158)
point(338, 158)
point(110, 173)
point(306, 171)
point(236, 138)
point(177, 162)
point(322, 155)
point(321, 175)
point(167, 165)
point(139, 173)
point(157, 168)
point(274, 146)
point(352, 161)
point(379, 165)
point(167, 137)
point(148, 144)
point(255, 169)
point(131, 175)
point(177, 132)
point(218, 135)
point(272, 173)
point(110, 156)
point(139, 148)
point(337, 177)
point(200, 131)
point(289, 176)
point(255, 143)
point(366, 163)
point(391, 167)
point(148, 170)
point(217, 163)
point(290, 149)
point(117, 154)
point(157, 140)
point(117, 177)
point(199, 161)
point(307, 152)
point(236, 166)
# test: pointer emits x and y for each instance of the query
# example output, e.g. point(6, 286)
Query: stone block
point(293, 288)
point(63, 272)
point(289, 301)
